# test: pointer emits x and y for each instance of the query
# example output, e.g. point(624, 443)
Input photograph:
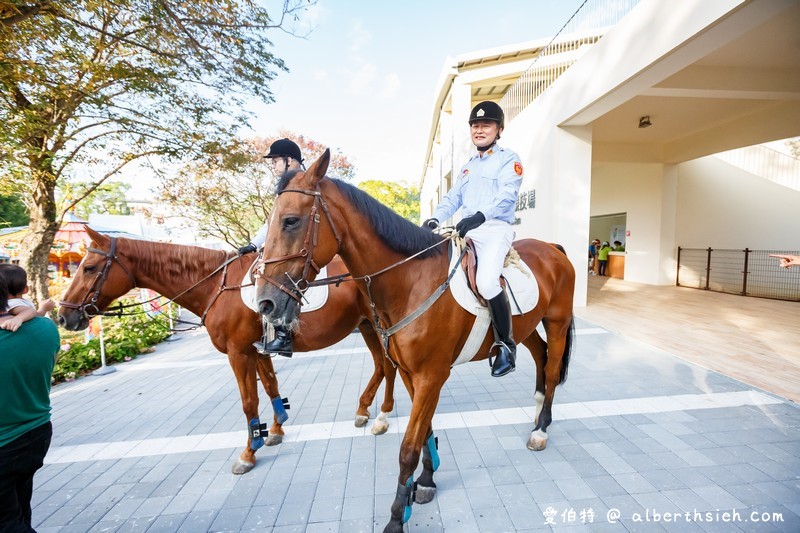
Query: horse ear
point(318, 169)
point(99, 238)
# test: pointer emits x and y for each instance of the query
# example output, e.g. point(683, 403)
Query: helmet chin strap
point(487, 146)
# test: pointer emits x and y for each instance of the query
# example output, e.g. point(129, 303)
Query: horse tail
point(567, 351)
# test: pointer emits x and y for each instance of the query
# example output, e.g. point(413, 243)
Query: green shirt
point(27, 357)
point(602, 255)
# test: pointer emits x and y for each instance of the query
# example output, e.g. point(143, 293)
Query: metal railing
point(584, 28)
point(745, 272)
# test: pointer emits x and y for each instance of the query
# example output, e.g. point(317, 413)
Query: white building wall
point(722, 206)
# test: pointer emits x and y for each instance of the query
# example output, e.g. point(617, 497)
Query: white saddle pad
point(315, 297)
point(522, 283)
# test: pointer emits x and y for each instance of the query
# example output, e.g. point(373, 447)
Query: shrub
point(125, 338)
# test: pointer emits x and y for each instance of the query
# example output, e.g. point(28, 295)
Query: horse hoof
point(273, 440)
point(424, 494)
point(538, 441)
point(379, 427)
point(241, 467)
point(361, 421)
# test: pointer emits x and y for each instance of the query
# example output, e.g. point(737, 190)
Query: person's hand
point(470, 223)
point(46, 306)
point(787, 261)
point(250, 247)
point(12, 324)
point(431, 224)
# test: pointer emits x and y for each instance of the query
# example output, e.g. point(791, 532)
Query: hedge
point(125, 338)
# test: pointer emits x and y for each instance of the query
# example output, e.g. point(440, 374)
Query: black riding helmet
point(488, 111)
point(285, 148)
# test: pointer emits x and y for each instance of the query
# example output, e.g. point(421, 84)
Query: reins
point(117, 311)
point(298, 288)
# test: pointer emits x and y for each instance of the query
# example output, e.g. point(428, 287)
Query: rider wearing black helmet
point(486, 192)
point(285, 156)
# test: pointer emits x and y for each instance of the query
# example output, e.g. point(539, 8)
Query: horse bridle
point(99, 280)
point(309, 243)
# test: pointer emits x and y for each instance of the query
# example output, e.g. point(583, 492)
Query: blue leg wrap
point(408, 492)
point(279, 406)
point(256, 430)
point(433, 449)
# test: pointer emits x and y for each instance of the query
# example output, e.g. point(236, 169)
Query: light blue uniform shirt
point(488, 183)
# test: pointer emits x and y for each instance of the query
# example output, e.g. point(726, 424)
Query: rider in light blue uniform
point(486, 190)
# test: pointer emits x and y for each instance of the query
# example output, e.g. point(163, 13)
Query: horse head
point(302, 238)
point(99, 280)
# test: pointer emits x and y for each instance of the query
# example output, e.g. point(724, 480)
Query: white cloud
point(359, 36)
point(320, 75)
point(391, 86)
point(362, 78)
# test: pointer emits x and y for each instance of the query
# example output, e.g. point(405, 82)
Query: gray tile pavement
point(638, 435)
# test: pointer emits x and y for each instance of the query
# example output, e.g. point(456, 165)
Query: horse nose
point(266, 307)
point(62, 321)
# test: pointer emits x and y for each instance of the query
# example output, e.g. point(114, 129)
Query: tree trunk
point(43, 228)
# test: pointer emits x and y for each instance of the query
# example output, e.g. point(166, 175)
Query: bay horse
point(315, 218)
point(114, 266)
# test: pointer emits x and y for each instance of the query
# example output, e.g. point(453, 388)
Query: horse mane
point(396, 232)
point(174, 261)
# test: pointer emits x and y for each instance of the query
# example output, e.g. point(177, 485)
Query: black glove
point(469, 223)
point(247, 249)
point(431, 224)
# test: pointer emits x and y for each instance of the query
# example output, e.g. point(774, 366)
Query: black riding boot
point(506, 359)
point(281, 344)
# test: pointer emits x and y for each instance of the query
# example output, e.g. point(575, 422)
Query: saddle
point(469, 263)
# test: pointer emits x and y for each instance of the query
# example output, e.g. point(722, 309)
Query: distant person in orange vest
point(787, 261)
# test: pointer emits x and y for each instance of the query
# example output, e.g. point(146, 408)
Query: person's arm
point(787, 261)
point(21, 314)
point(510, 177)
point(45, 307)
point(450, 202)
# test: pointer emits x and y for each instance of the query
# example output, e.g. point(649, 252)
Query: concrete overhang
point(734, 83)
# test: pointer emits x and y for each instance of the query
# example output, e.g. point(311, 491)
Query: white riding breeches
point(492, 241)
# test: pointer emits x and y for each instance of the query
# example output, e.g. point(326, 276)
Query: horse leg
point(425, 395)
point(559, 337)
point(538, 349)
point(381, 424)
point(267, 373)
point(373, 343)
point(244, 370)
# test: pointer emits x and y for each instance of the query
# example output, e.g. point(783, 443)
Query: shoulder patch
point(518, 168)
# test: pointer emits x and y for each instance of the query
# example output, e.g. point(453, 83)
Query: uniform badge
point(480, 113)
point(518, 168)
point(466, 171)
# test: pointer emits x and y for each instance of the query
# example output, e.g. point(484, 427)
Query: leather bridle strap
point(99, 280)
point(297, 288)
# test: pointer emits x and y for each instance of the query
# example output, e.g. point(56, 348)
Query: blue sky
point(364, 78)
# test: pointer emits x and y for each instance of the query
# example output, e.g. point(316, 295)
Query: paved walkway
point(641, 441)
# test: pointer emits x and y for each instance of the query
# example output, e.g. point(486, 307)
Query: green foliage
point(88, 87)
point(125, 338)
point(107, 199)
point(12, 211)
point(229, 194)
point(402, 199)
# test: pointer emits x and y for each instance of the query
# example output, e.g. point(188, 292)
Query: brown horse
point(113, 266)
point(325, 217)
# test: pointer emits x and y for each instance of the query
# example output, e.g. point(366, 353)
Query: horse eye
point(290, 222)
point(89, 268)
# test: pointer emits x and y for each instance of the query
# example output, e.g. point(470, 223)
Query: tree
point(108, 198)
point(794, 146)
point(101, 84)
point(401, 198)
point(12, 211)
point(230, 196)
